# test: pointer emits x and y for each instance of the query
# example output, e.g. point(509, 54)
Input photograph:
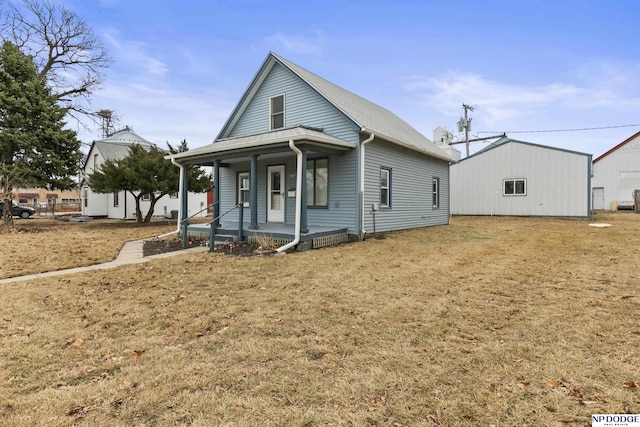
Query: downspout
point(179, 202)
point(296, 239)
point(362, 144)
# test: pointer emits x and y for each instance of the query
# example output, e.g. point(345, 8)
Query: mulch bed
point(161, 246)
point(156, 247)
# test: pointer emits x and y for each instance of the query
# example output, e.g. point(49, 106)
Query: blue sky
point(181, 66)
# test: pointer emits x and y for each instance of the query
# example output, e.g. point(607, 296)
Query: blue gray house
point(309, 163)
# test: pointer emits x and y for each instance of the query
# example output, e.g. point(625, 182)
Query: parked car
point(17, 210)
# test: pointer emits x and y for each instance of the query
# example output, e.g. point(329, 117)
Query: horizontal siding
point(411, 188)
point(228, 190)
point(557, 182)
point(97, 204)
point(342, 208)
point(303, 106)
point(343, 203)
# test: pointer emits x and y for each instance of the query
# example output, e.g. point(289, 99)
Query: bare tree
point(68, 55)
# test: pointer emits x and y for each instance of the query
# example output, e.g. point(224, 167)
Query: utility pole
point(465, 123)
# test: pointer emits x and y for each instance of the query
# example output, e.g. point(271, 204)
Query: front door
point(275, 197)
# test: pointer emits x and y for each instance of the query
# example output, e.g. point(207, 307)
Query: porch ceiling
point(263, 143)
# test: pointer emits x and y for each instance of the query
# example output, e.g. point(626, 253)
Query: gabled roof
point(366, 115)
point(126, 136)
point(116, 146)
point(631, 138)
point(506, 140)
point(112, 150)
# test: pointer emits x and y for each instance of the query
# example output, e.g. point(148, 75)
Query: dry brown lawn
point(36, 245)
point(487, 321)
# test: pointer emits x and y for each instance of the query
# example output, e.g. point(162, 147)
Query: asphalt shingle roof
point(369, 116)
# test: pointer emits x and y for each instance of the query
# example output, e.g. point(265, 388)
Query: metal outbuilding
point(121, 205)
point(518, 178)
point(616, 175)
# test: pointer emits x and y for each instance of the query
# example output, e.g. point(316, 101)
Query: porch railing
point(213, 223)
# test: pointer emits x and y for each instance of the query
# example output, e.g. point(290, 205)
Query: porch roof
point(242, 146)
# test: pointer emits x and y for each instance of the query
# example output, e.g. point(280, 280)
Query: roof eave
point(260, 145)
point(631, 138)
point(409, 146)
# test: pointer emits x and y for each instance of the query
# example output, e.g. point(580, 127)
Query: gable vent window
point(277, 112)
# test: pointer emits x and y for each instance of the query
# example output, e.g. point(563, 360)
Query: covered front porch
point(261, 181)
point(269, 233)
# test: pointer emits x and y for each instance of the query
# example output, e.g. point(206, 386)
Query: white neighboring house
point(518, 178)
point(616, 174)
point(122, 205)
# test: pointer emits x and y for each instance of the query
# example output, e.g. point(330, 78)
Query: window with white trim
point(435, 192)
point(317, 182)
point(276, 112)
point(243, 188)
point(116, 199)
point(514, 187)
point(146, 197)
point(385, 187)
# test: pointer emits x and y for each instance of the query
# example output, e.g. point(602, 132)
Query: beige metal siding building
point(616, 174)
point(519, 178)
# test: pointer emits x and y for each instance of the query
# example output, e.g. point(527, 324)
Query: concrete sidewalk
point(131, 253)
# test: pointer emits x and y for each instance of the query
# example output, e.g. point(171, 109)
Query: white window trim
point(514, 180)
point(435, 194)
point(388, 187)
point(248, 189)
point(271, 113)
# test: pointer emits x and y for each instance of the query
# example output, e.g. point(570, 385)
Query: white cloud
point(603, 95)
point(606, 86)
point(162, 114)
point(311, 44)
point(499, 101)
point(134, 54)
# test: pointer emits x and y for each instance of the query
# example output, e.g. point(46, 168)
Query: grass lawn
point(35, 245)
point(487, 321)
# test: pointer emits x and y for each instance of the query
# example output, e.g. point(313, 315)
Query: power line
point(467, 141)
point(565, 130)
